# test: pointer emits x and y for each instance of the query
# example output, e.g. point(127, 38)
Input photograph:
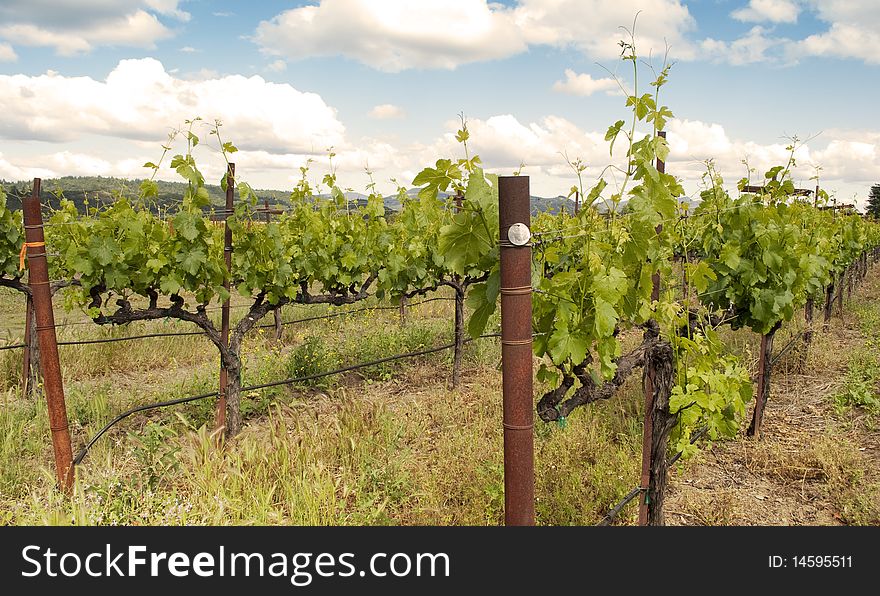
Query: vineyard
point(410, 352)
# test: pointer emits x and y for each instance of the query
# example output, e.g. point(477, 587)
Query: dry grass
point(393, 445)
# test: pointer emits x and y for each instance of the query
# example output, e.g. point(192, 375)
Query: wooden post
point(38, 281)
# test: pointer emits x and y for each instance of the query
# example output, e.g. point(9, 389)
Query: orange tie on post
point(23, 252)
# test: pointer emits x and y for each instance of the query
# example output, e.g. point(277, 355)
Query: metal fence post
point(38, 280)
point(516, 350)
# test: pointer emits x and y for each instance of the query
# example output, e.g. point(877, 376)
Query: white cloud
point(7, 54)
point(188, 50)
point(168, 7)
point(594, 26)
point(756, 46)
point(386, 111)
point(277, 66)
point(138, 98)
point(853, 31)
point(842, 40)
point(73, 28)
point(584, 84)
point(775, 11)
point(395, 35)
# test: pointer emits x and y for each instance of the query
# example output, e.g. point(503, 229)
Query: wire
point(788, 347)
point(354, 310)
point(364, 364)
point(82, 453)
point(617, 508)
point(13, 346)
point(173, 402)
point(128, 338)
point(696, 437)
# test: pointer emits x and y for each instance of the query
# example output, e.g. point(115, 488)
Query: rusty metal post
point(577, 201)
point(516, 350)
point(648, 390)
point(26, 353)
point(220, 413)
point(38, 281)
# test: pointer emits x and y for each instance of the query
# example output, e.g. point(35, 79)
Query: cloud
point(138, 97)
point(756, 46)
point(73, 28)
point(584, 84)
point(853, 32)
point(395, 35)
point(386, 111)
point(594, 26)
point(7, 54)
point(189, 50)
point(277, 66)
point(775, 11)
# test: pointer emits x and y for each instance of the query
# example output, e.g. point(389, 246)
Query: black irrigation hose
point(13, 346)
point(363, 364)
point(617, 508)
point(172, 402)
point(634, 492)
point(82, 453)
point(696, 437)
point(787, 348)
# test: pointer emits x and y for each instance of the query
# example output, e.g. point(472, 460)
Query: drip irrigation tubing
point(617, 508)
point(634, 492)
point(364, 364)
point(171, 402)
point(787, 348)
point(82, 453)
point(696, 437)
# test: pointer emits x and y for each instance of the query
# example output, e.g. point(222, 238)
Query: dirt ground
point(814, 464)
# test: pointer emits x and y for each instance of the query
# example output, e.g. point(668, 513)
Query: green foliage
point(766, 253)
point(712, 389)
point(861, 386)
point(11, 239)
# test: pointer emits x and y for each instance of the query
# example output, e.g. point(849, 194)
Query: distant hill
point(98, 190)
point(102, 190)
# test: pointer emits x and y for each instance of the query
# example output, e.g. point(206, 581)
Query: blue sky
point(93, 87)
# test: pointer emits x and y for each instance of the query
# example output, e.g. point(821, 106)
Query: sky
point(93, 87)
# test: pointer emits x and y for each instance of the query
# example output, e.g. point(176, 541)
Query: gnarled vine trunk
point(660, 368)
